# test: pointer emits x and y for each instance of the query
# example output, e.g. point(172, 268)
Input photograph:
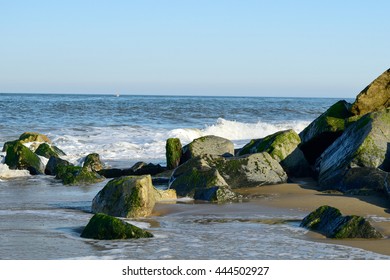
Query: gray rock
point(283, 147)
point(376, 96)
point(93, 163)
point(365, 179)
point(210, 171)
point(329, 221)
point(363, 144)
point(211, 145)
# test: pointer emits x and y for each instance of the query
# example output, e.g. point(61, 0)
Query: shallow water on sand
point(42, 219)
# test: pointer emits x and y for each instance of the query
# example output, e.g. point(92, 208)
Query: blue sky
point(193, 47)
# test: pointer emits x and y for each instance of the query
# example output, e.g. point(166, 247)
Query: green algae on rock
point(20, 157)
point(77, 175)
point(330, 222)
point(365, 143)
point(173, 152)
point(33, 137)
point(324, 130)
point(283, 147)
point(375, 97)
point(130, 197)
point(46, 150)
point(93, 163)
point(105, 227)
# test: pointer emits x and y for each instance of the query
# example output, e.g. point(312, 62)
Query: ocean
point(42, 219)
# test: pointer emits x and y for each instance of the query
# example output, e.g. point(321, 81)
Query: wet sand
point(302, 197)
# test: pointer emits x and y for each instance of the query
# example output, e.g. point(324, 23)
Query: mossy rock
point(93, 163)
point(46, 150)
point(173, 152)
point(128, 196)
point(210, 145)
point(375, 97)
point(53, 164)
point(324, 130)
point(283, 147)
point(360, 180)
point(106, 227)
point(20, 157)
point(330, 222)
point(365, 143)
point(34, 137)
point(76, 175)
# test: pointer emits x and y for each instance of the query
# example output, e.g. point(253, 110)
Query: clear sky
point(197, 47)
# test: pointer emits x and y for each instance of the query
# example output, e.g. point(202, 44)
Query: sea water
point(42, 219)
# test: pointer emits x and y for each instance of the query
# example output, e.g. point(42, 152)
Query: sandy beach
point(302, 197)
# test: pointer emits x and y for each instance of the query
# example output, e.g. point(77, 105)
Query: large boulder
point(376, 96)
point(330, 222)
point(283, 147)
point(46, 150)
point(129, 196)
point(324, 130)
point(20, 157)
point(365, 143)
point(210, 171)
point(210, 145)
point(173, 152)
point(102, 226)
point(197, 179)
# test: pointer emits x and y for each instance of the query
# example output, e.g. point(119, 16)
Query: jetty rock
point(324, 130)
point(46, 150)
point(129, 197)
point(19, 156)
point(93, 163)
point(53, 164)
point(210, 145)
point(173, 152)
point(105, 227)
point(208, 171)
point(375, 97)
point(283, 146)
point(78, 175)
point(365, 180)
point(331, 223)
point(365, 143)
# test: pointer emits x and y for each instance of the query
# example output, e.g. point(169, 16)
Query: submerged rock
point(283, 147)
point(365, 143)
point(324, 130)
point(143, 168)
point(211, 145)
point(375, 97)
point(329, 221)
point(173, 152)
point(130, 196)
point(20, 157)
point(105, 227)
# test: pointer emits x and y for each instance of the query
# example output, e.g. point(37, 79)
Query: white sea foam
point(6, 173)
point(131, 144)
